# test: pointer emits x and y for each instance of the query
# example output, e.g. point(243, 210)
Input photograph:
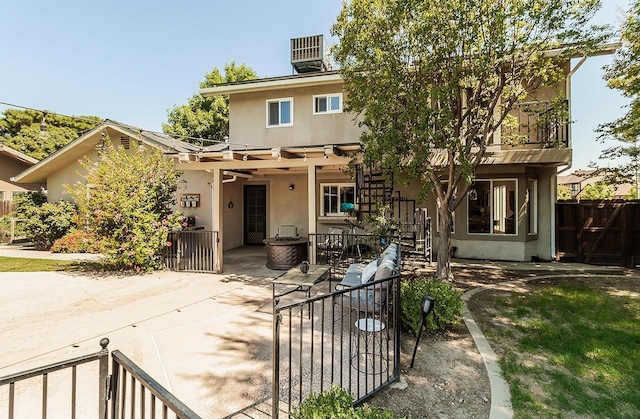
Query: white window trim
point(491, 208)
point(339, 185)
point(279, 101)
point(533, 206)
point(328, 96)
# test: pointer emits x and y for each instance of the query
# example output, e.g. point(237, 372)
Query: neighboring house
point(13, 162)
point(578, 180)
point(291, 143)
point(63, 167)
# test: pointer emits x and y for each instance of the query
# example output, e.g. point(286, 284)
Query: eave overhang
point(275, 83)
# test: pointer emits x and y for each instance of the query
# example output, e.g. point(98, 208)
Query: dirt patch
point(449, 379)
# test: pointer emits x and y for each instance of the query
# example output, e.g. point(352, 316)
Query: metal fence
point(340, 249)
point(145, 397)
point(72, 364)
point(193, 251)
point(543, 122)
point(349, 338)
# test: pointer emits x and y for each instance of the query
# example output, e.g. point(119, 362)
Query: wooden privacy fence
point(603, 232)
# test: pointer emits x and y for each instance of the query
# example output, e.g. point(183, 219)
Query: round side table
point(370, 355)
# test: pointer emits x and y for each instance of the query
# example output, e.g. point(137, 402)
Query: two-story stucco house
point(290, 144)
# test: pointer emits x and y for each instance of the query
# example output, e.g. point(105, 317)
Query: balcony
point(543, 123)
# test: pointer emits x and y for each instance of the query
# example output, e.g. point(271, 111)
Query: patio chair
point(287, 232)
point(333, 245)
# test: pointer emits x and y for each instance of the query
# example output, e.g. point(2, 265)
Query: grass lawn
point(568, 347)
point(8, 264)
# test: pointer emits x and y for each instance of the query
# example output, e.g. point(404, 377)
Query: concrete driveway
point(206, 338)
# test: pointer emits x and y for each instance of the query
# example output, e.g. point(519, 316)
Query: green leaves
point(433, 81)
point(125, 204)
point(624, 75)
point(20, 129)
point(447, 310)
point(206, 118)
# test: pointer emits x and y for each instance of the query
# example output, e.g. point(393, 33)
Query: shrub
point(447, 310)
point(44, 224)
point(337, 403)
point(5, 229)
point(124, 202)
point(76, 241)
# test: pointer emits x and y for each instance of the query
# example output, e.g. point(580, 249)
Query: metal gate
point(336, 339)
point(192, 251)
point(128, 392)
point(598, 232)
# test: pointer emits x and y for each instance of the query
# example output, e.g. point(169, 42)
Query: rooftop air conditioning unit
point(310, 54)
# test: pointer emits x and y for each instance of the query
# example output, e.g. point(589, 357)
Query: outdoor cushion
point(389, 257)
point(390, 253)
point(369, 299)
point(352, 277)
point(385, 270)
point(369, 271)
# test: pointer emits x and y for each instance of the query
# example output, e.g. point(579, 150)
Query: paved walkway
point(19, 250)
point(177, 326)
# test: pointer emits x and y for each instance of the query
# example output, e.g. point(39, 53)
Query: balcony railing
point(543, 122)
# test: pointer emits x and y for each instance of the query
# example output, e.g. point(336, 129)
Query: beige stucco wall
point(9, 168)
point(521, 246)
point(248, 120)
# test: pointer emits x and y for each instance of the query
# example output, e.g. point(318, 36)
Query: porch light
point(427, 307)
point(473, 194)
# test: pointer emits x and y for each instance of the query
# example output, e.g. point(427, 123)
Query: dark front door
point(255, 214)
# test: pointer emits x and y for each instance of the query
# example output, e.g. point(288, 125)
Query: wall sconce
point(292, 187)
point(230, 204)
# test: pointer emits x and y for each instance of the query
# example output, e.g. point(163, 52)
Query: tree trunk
point(443, 268)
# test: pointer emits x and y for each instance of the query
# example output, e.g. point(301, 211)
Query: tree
point(20, 129)
point(597, 190)
point(433, 81)
point(207, 117)
point(125, 205)
point(563, 192)
point(624, 74)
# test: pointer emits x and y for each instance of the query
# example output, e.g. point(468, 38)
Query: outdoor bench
point(371, 298)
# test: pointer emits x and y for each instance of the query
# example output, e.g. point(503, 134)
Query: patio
point(181, 328)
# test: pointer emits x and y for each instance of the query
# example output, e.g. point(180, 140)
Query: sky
point(132, 61)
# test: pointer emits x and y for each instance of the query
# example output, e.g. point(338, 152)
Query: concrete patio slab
point(201, 336)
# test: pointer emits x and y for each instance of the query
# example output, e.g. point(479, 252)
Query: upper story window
point(331, 103)
point(280, 112)
point(338, 199)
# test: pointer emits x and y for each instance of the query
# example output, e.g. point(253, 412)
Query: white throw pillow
point(368, 271)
